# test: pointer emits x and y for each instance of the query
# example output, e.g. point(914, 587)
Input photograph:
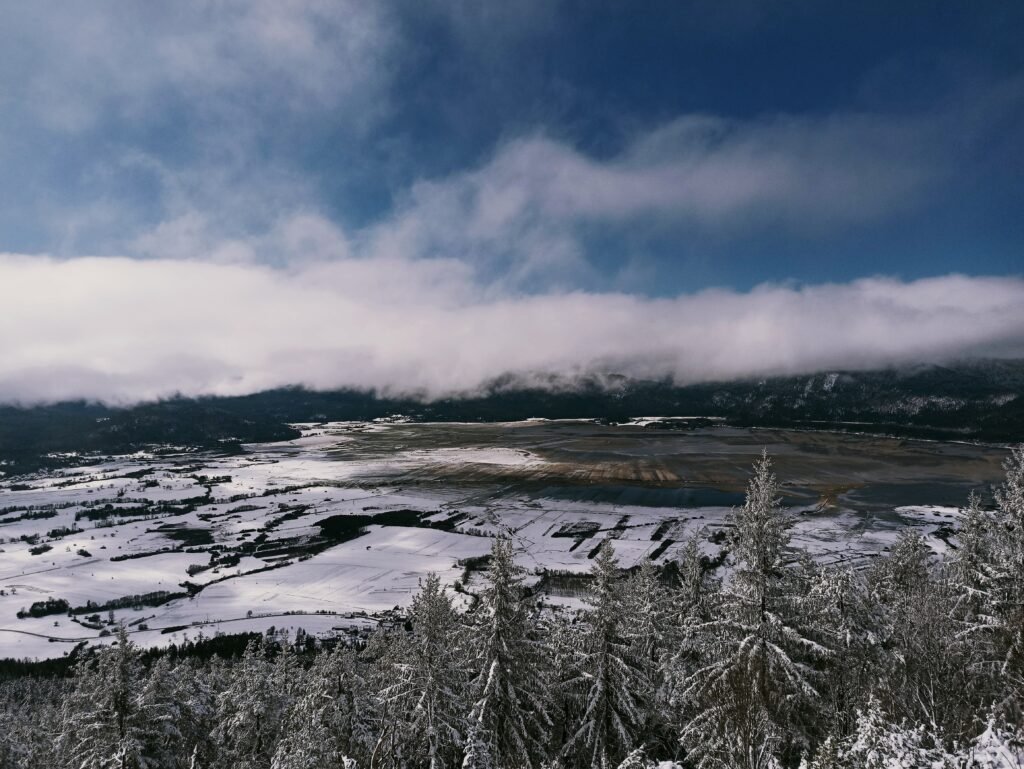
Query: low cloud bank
point(123, 330)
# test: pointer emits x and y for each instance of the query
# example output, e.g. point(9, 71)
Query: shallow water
point(641, 496)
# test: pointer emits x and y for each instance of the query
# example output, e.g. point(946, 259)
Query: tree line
point(773, 661)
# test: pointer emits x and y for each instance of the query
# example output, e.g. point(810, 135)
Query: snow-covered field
point(337, 527)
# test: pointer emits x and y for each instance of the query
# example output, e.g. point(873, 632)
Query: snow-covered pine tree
point(193, 700)
point(931, 670)
point(611, 680)
point(478, 749)
point(647, 604)
point(689, 608)
point(349, 714)
point(827, 756)
point(160, 706)
point(306, 738)
point(973, 566)
point(510, 708)
point(973, 574)
point(107, 720)
point(838, 596)
point(895, 585)
point(11, 745)
point(32, 722)
point(387, 648)
point(756, 696)
point(250, 712)
point(430, 688)
point(1007, 593)
point(939, 679)
point(698, 587)
point(880, 743)
point(562, 633)
point(644, 600)
point(896, 579)
point(988, 583)
point(636, 759)
point(998, 747)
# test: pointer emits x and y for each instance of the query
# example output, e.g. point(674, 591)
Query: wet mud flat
point(704, 466)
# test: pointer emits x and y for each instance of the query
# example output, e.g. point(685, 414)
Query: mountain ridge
point(976, 400)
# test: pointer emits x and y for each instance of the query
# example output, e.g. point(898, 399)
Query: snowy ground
point(337, 527)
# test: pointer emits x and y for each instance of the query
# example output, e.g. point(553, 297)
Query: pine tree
point(478, 749)
point(879, 743)
point(973, 578)
point(838, 598)
point(998, 747)
point(932, 671)
point(250, 712)
point(611, 682)
point(349, 714)
point(759, 685)
point(431, 678)
point(192, 704)
point(307, 741)
point(32, 724)
point(511, 703)
point(689, 608)
point(637, 759)
point(160, 706)
point(903, 574)
point(1007, 594)
point(698, 587)
point(562, 633)
point(386, 650)
point(108, 721)
point(974, 562)
point(827, 756)
point(646, 602)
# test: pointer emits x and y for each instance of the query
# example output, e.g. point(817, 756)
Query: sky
point(218, 197)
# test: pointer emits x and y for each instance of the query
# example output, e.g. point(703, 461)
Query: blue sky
point(506, 152)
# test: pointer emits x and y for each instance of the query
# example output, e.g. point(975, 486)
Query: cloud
point(123, 330)
point(520, 218)
point(122, 117)
point(73, 66)
point(709, 170)
point(194, 131)
point(526, 211)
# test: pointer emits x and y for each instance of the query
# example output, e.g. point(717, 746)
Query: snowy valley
point(334, 531)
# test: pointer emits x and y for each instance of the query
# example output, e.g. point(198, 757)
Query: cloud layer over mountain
point(123, 330)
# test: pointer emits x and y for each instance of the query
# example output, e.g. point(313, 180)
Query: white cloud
point(522, 211)
point(714, 171)
point(121, 118)
point(519, 215)
point(123, 330)
point(184, 126)
point(75, 64)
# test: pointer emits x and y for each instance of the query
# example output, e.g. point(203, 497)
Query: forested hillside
point(69, 433)
point(980, 400)
point(771, 661)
